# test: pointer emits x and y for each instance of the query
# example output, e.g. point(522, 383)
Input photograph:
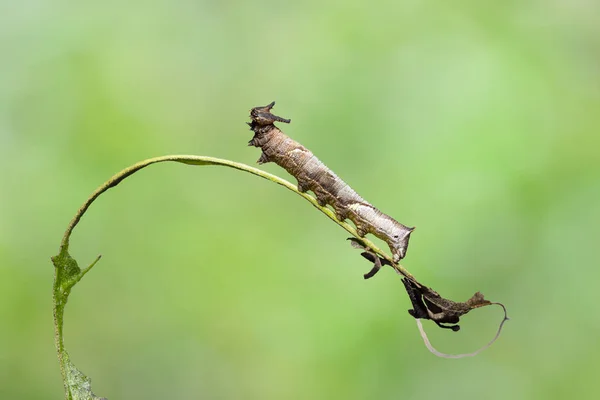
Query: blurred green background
point(478, 122)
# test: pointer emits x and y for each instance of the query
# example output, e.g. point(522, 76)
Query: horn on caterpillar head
point(263, 116)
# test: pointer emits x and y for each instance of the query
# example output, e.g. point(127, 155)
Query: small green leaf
point(67, 274)
point(79, 385)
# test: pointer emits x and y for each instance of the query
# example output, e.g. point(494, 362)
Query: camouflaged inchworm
point(328, 188)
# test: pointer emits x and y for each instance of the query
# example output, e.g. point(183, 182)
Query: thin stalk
point(205, 160)
point(67, 272)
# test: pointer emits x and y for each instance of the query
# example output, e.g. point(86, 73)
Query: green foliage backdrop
point(475, 121)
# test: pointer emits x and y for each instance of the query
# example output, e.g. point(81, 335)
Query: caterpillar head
point(262, 115)
point(399, 241)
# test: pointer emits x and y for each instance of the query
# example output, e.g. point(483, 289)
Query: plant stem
point(67, 272)
point(204, 160)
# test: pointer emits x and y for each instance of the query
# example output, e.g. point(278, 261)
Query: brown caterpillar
point(313, 175)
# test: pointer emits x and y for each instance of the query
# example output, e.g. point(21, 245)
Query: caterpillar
point(328, 188)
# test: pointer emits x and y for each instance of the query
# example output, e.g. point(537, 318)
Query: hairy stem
point(204, 160)
point(67, 272)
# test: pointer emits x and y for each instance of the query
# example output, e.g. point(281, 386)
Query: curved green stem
point(67, 272)
point(204, 160)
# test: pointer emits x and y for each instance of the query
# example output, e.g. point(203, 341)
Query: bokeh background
point(476, 121)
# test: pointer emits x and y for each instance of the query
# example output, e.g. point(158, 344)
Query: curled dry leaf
point(445, 355)
point(429, 304)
